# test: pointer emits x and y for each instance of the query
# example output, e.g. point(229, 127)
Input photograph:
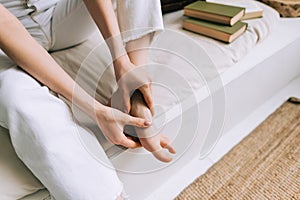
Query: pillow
point(285, 8)
point(16, 181)
point(174, 5)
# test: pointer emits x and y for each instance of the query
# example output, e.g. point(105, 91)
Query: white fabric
point(49, 145)
point(39, 195)
point(40, 5)
point(43, 131)
point(140, 21)
point(17, 7)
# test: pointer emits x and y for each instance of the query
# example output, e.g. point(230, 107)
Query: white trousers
point(42, 129)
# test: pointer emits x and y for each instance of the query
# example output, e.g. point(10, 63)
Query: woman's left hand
point(129, 78)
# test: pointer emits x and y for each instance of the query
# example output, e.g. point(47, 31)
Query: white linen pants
point(42, 129)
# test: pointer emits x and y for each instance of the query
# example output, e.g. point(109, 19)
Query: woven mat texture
point(264, 165)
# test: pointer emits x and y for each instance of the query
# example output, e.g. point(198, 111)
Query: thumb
point(147, 94)
point(126, 102)
point(138, 122)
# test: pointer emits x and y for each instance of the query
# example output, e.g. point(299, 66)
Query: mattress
point(197, 69)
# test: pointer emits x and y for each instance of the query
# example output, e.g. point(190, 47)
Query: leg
point(137, 42)
point(142, 18)
point(150, 140)
point(71, 24)
point(45, 138)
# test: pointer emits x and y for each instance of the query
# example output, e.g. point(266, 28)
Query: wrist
point(99, 109)
point(121, 65)
point(116, 46)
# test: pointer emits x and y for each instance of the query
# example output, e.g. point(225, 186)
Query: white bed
point(267, 60)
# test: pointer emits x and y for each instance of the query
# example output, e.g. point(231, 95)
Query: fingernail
point(147, 123)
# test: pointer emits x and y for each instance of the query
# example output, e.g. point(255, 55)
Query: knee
point(14, 85)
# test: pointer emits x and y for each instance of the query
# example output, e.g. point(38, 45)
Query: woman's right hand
point(112, 121)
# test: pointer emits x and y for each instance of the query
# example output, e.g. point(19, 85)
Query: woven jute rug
point(264, 165)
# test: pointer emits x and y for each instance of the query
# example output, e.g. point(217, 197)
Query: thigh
point(48, 140)
point(71, 24)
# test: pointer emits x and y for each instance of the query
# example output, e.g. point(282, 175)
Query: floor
point(231, 138)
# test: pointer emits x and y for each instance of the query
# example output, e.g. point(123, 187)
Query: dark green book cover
point(213, 8)
point(219, 27)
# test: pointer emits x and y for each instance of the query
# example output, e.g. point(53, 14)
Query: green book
point(214, 30)
point(219, 13)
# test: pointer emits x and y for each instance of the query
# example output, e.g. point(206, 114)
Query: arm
point(104, 16)
point(17, 43)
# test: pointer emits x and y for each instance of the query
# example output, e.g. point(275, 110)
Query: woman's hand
point(112, 121)
point(130, 78)
point(103, 14)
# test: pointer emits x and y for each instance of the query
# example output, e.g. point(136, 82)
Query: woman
point(28, 30)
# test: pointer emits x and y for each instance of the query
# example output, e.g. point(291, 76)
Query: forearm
point(104, 16)
point(17, 43)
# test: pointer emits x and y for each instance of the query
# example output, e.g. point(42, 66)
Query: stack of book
point(215, 20)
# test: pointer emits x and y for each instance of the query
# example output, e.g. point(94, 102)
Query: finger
point(126, 101)
point(138, 122)
point(147, 94)
point(124, 141)
point(133, 139)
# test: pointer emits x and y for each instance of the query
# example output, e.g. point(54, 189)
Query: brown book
point(223, 14)
point(216, 31)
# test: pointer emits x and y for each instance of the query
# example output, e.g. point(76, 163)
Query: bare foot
point(150, 139)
